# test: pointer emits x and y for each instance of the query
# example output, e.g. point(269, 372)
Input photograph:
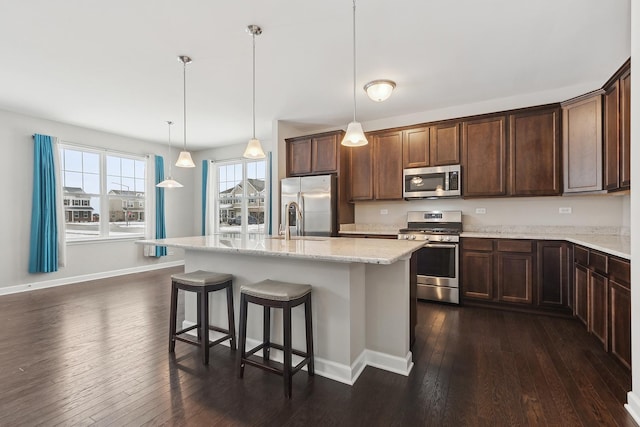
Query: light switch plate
point(481, 211)
point(564, 210)
point(384, 211)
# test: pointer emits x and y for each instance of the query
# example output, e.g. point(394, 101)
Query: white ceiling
point(112, 65)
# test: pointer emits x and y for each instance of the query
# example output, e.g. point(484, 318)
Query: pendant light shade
point(379, 90)
point(169, 182)
point(254, 148)
point(354, 137)
point(184, 160)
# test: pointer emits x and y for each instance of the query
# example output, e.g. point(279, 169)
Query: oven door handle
point(437, 245)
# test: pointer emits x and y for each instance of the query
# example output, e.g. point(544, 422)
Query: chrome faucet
point(296, 206)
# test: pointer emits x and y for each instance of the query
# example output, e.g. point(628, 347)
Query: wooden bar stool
point(271, 293)
point(202, 282)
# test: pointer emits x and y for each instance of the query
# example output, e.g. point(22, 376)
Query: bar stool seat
point(202, 283)
point(276, 294)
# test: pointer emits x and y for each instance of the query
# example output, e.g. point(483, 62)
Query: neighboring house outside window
point(103, 193)
point(241, 194)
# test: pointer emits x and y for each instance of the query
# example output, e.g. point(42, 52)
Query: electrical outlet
point(481, 211)
point(564, 210)
point(384, 211)
point(170, 253)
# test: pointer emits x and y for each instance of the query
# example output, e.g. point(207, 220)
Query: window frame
point(104, 197)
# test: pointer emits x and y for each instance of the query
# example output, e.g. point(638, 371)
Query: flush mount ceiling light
point(184, 160)
point(254, 148)
point(354, 137)
point(169, 182)
point(379, 90)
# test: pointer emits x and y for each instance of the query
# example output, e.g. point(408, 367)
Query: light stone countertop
point(370, 229)
point(333, 249)
point(611, 244)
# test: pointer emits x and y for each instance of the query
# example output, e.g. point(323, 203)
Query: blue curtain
point(161, 231)
point(43, 246)
point(205, 179)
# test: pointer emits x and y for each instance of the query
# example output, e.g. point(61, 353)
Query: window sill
point(104, 240)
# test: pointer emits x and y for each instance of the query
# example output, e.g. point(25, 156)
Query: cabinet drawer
point(620, 271)
point(598, 261)
point(581, 255)
point(475, 244)
point(515, 246)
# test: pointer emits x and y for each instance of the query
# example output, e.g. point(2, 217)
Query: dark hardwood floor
point(95, 353)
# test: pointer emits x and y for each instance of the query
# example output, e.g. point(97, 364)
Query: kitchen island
point(361, 294)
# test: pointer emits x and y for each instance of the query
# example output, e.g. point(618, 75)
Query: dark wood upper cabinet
point(484, 157)
point(534, 147)
point(315, 154)
point(387, 154)
point(582, 143)
point(324, 150)
point(299, 157)
point(617, 127)
point(612, 137)
point(415, 148)
point(445, 144)
point(625, 129)
point(361, 172)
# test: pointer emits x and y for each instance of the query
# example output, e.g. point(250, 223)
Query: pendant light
point(169, 182)
point(354, 137)
point(254, 148)
point(184, 160)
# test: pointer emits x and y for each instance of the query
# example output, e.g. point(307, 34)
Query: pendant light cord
point(254, 85)
point(184, 88)
point(169, 123)
point(354, 60)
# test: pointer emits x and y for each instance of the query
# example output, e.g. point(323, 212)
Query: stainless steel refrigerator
point(316, 196)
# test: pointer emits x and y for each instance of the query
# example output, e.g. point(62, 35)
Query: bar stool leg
point(286, 315)
point(266, 333)
point(199, 315)
point(204, 325)
point(243, 335)
point(172, 317)
point(309, 333)
point(232, 322)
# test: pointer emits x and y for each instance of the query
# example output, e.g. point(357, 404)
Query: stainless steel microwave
point(432, 182)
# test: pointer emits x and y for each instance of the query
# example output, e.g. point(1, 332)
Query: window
point(240, 194)
point(103, 189)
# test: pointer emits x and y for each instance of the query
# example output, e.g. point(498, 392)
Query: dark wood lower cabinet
point(477, 269)
point(620, 321)
point(581, 289)
point(515, 277)
point(553, 274)
point(598, 307)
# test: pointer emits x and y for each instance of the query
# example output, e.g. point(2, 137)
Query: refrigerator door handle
point(300, 222)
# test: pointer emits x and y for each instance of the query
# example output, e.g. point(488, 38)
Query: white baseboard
point(633, 406)
point(336, 371)
point(86, 277)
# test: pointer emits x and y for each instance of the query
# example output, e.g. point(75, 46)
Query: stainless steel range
point(438, 259)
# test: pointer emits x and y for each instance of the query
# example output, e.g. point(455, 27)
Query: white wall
point(634, 396)
point(598, 210)
point(82, 259)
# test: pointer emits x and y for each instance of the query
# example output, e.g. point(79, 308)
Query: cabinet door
point(612, 137)
point(387, 155)
point(553, 274)
point(299, 157)
point(484, 157)
point(361, 179)
point(325, 151)
point(625, 130)
point(620, 322)
point(581, 296)
point(445, 145)
point(477, 275)
point(534, 148)
point(598, 307)
point(582, 125)
point(415, 148)
point(515, 277)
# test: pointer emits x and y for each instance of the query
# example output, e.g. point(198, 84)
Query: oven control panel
point(430, 237)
